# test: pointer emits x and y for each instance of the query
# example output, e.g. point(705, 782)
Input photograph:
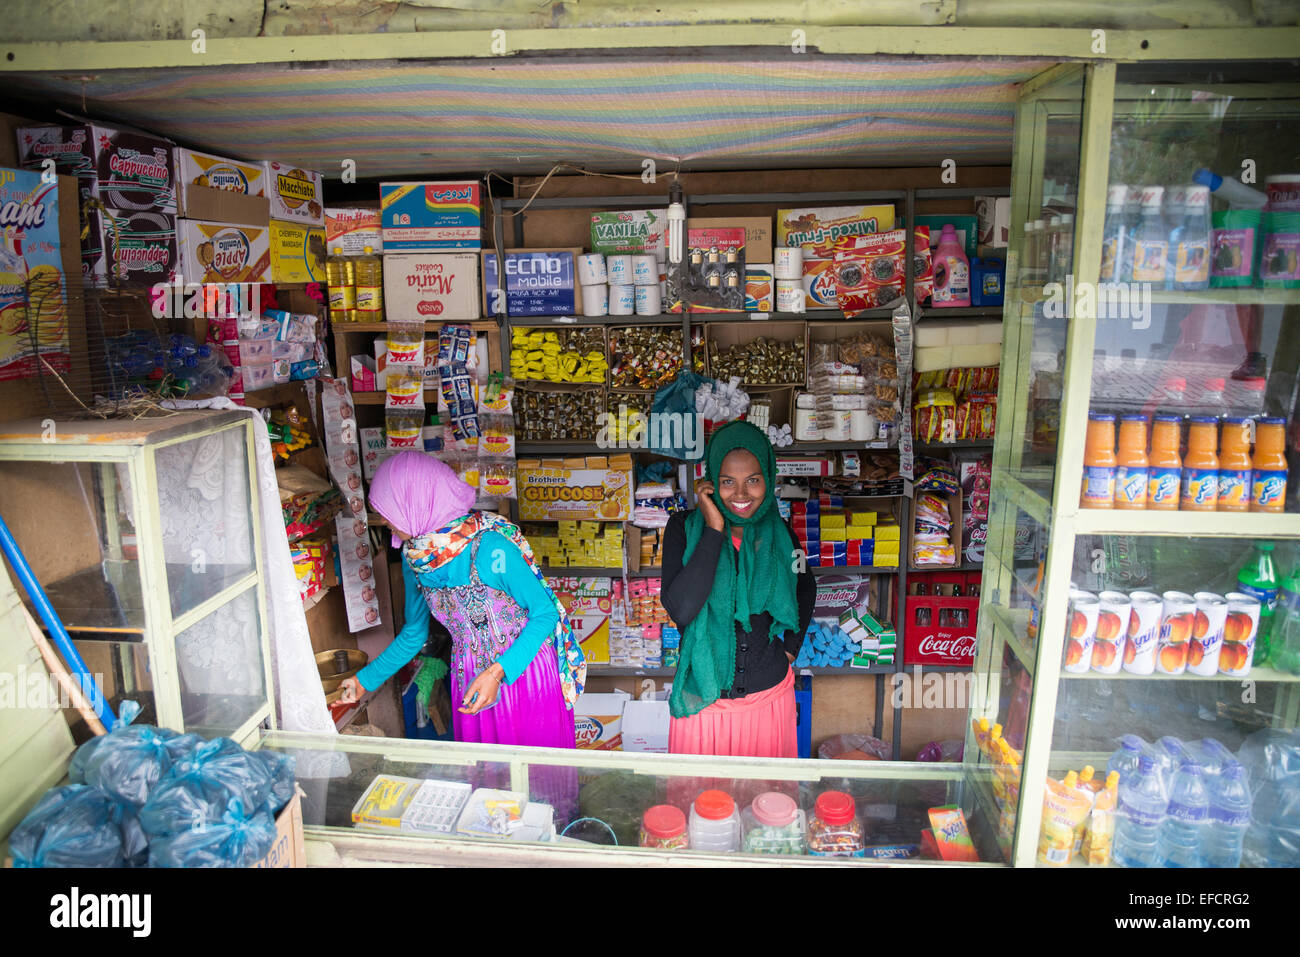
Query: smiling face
point(741, 485)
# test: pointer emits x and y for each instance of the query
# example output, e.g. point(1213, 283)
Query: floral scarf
point(424, 553)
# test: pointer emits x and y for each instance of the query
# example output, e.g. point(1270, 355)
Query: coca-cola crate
point(940, 630)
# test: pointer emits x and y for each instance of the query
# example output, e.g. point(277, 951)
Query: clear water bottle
point(1168, 754)
point(1113, 233)
point(1246, 397)
point(1183, 833)
point(1126, 757)
point(1140, 814)
point(1213, 400)
point(1229, 817)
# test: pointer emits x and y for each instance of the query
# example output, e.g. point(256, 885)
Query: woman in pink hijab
point(516, 668)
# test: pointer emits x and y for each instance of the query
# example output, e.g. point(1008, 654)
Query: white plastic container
point(715, 823)
point(774, 824)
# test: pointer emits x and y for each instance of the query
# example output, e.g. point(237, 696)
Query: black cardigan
point(760, 664)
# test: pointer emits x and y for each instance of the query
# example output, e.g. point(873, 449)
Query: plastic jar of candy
point(773, 824)
point(715, 823)
point(834, 830)
point(664, 827)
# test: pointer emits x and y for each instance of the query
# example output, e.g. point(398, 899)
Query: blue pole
point(60, 634)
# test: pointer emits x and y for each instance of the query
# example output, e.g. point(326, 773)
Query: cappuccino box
point(295, 193)
point(431, 287)
point(127, 171)
point(430, 217)
point(223, 252)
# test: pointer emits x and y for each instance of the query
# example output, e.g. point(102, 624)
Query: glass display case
point(363, 802)
point(142, 535)
point(1141, 521)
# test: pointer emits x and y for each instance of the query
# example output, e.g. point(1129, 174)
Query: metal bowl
point(338, 665)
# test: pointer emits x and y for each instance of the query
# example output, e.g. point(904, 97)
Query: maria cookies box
point(431, 287)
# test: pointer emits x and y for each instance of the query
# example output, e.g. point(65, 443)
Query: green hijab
point(758, 578)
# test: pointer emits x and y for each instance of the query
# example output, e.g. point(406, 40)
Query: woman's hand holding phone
point(708, 508)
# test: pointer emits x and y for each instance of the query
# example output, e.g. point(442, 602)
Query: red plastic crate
point(945, 634)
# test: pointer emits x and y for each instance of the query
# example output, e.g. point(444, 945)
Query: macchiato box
point(295, 193)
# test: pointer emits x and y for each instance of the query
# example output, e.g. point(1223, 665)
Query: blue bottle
point(1230, 807)
point(1140, 814)
point(1183, 833)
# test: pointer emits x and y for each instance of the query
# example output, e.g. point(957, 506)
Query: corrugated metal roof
point(398, 119)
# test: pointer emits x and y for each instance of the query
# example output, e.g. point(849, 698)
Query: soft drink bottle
point(1141, 812)
point(1281, 647)
point(1230, 807)
point(1269, 468)
point(1183, 833)
point(1258, 579)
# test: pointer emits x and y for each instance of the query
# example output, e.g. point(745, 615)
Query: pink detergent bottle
point(951, 271)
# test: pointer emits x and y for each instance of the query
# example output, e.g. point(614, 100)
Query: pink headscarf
point(417, 494)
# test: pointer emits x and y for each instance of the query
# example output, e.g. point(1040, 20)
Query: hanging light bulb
point(676, 225)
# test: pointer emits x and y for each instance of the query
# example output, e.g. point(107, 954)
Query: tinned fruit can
point(1085, 608)
point(1239, 632)
point(1143, 632)
point(1176, 621)
point(1207, 633)
point(1116, 609)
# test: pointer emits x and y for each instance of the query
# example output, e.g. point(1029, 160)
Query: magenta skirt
point(531, 712)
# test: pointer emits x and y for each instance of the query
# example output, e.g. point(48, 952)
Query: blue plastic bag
point(228, 771)
point(130, 760)
point(235, 840)
point(281, 768)
point(69, 827)
point(678, 398)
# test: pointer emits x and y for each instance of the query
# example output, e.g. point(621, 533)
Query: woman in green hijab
point(737, 586)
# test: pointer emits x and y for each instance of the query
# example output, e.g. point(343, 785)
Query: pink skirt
point(758, 725)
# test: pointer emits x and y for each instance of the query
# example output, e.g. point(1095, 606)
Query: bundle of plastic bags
point(147, 796)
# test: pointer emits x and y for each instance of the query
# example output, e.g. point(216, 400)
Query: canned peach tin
point(1176, 622)
point(1084, 610)
point(1207, 633)
point(1112, 632)
point(1143, 632)
point(1239, 632)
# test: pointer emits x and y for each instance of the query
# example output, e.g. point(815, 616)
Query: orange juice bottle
point(1268, 492)
point(1165, 464)
point(1201, 465)
point(1099, 463)
point(1131, 474)
point(1235, 465)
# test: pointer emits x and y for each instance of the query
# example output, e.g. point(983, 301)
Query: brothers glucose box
point(424, 287)
point(428, 217)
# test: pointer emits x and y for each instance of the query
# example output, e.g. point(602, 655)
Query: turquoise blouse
point(501, 566)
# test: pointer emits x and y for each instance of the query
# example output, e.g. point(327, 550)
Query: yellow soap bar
point(884, 561)
point(862, 517)
point(887, 532)
point(833, 520)
point(834, 535)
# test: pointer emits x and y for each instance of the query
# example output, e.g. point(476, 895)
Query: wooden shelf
point(275, 395)
point(475, 324)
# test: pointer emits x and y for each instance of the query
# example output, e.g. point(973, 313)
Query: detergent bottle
point(951, 271)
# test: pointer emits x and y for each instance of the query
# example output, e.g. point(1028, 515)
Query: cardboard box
point(760, 288)
point(954, 513)
point(758, 233)
point(539, 282)
point(635, 231)
point(598, 720)
point(589, 603)
point(138, 247)
point(34, 321)
point(296, 194)
point(289, 849)
point(819, 288)
point(730, 334)
point(223, 252)
point(645, 726)
point(297, 253)
point(126, 171)
point(994, 216)
point(431, 287)
point(559, 491)
point(431, 217)
point(817, 228)
point(352, 230)
point(220, 190)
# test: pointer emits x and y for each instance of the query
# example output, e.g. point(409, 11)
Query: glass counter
point(596, 800)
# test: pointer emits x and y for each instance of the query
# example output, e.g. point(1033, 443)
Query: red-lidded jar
point(664, 827)
point(834, 830)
